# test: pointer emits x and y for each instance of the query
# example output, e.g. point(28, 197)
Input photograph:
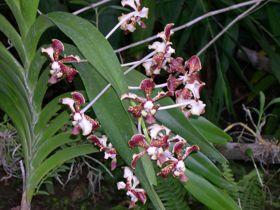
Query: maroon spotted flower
point(146, 107)
point(58, 68)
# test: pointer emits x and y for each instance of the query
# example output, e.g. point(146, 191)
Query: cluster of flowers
point(85, 124)
point(183, 83)
point(129, 21)
point(81, 122)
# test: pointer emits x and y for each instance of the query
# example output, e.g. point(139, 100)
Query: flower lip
point(193, 64)
point(147, 85)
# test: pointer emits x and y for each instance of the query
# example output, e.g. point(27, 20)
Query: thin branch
point(157, 86)
point(196, 20)
point(119, 24)
point(102, 92)
point(90, 7)
point(140, 62)
point(239, 17)
point(173, 106)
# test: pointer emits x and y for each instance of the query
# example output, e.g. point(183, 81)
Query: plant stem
point(90, 7)
point(119, 24)
point(173, 106)
point(239, 17)
point(157, 86)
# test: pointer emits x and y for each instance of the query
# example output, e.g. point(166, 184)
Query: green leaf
point(55, 161)
point(93, 45)
point(29, 11)
point(14, 5)
point(274, 101)
point(49, 111)
point(13, 36)
point(207, 194)
point(194, 163)
point(54, 126)
point(35, 32)
point(211, 132)
point(49, 145)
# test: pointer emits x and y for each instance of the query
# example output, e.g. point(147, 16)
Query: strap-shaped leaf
point(55, 161)
point(40, 90)
point(93, 45)
point(35, 69)
point(31, 40)
point(199, 166)
point(18, 117)
point(14, 5)
point(13, 80)
point(50, 145)
point(6, 56)
point(210, 131)
point(48, 112)
point(207, 194)
point(29, 11)
point(51, 128)
point(13, 36)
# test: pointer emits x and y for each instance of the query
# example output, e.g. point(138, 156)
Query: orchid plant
point(165, 135)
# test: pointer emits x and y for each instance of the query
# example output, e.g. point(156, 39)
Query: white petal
point(49, 51)
point(55, 66)
point(129, 3)
point(86, 126)
point(158, 47)
point(70, 102)
point(130, 27)
point(128, 173)
point(135, 182)
point(148, 105)
point(156, 128)
point(143, 13)
point(195, 88)
point(197, 107)
point(121, 185)
point(180, 166)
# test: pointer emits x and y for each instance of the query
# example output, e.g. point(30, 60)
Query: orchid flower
point(191, 106)
point(108, 149)
point(135, 194)
point(58, 68)
point(146, 106)
point(164, 51)
point(157, 149)
point(130, 20)
point(81, 122)
point(176, 166)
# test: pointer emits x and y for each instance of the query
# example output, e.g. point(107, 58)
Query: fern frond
point(172, 194)
point(251, 194)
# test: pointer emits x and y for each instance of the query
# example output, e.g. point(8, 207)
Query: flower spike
point(58, 68)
